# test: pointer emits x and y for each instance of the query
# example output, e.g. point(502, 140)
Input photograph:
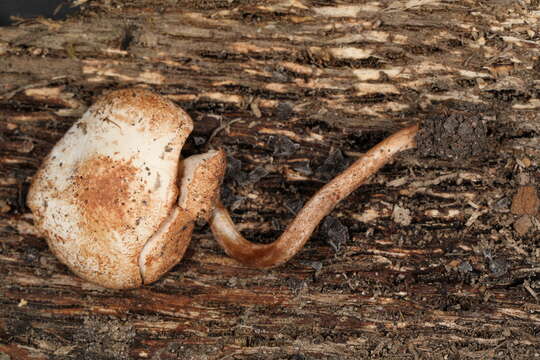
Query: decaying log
point(431, 259)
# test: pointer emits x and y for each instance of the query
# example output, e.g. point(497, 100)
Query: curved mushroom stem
point(320, 205)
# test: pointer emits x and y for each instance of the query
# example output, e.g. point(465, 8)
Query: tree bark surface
point(436, 257)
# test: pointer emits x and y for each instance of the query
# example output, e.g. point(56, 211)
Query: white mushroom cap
point(110, 184)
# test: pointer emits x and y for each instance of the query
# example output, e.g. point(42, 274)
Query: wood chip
point(526, 201)
point(401, 215)
point(523, 225)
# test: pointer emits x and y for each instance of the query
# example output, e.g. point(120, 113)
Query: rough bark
point(435, 258)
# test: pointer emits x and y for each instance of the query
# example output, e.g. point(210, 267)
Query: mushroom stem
point(320, 205)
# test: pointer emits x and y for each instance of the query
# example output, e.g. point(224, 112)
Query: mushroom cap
point(110, 183)
point(167, 246)
point(201, 180)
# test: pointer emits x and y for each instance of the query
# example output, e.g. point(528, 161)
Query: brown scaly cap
point(110, 183)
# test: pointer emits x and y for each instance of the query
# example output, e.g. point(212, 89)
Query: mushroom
point(118, 206)
point(114, 201)
point(300, 229)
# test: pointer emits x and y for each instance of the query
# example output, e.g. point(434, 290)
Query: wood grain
point(431, 267)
